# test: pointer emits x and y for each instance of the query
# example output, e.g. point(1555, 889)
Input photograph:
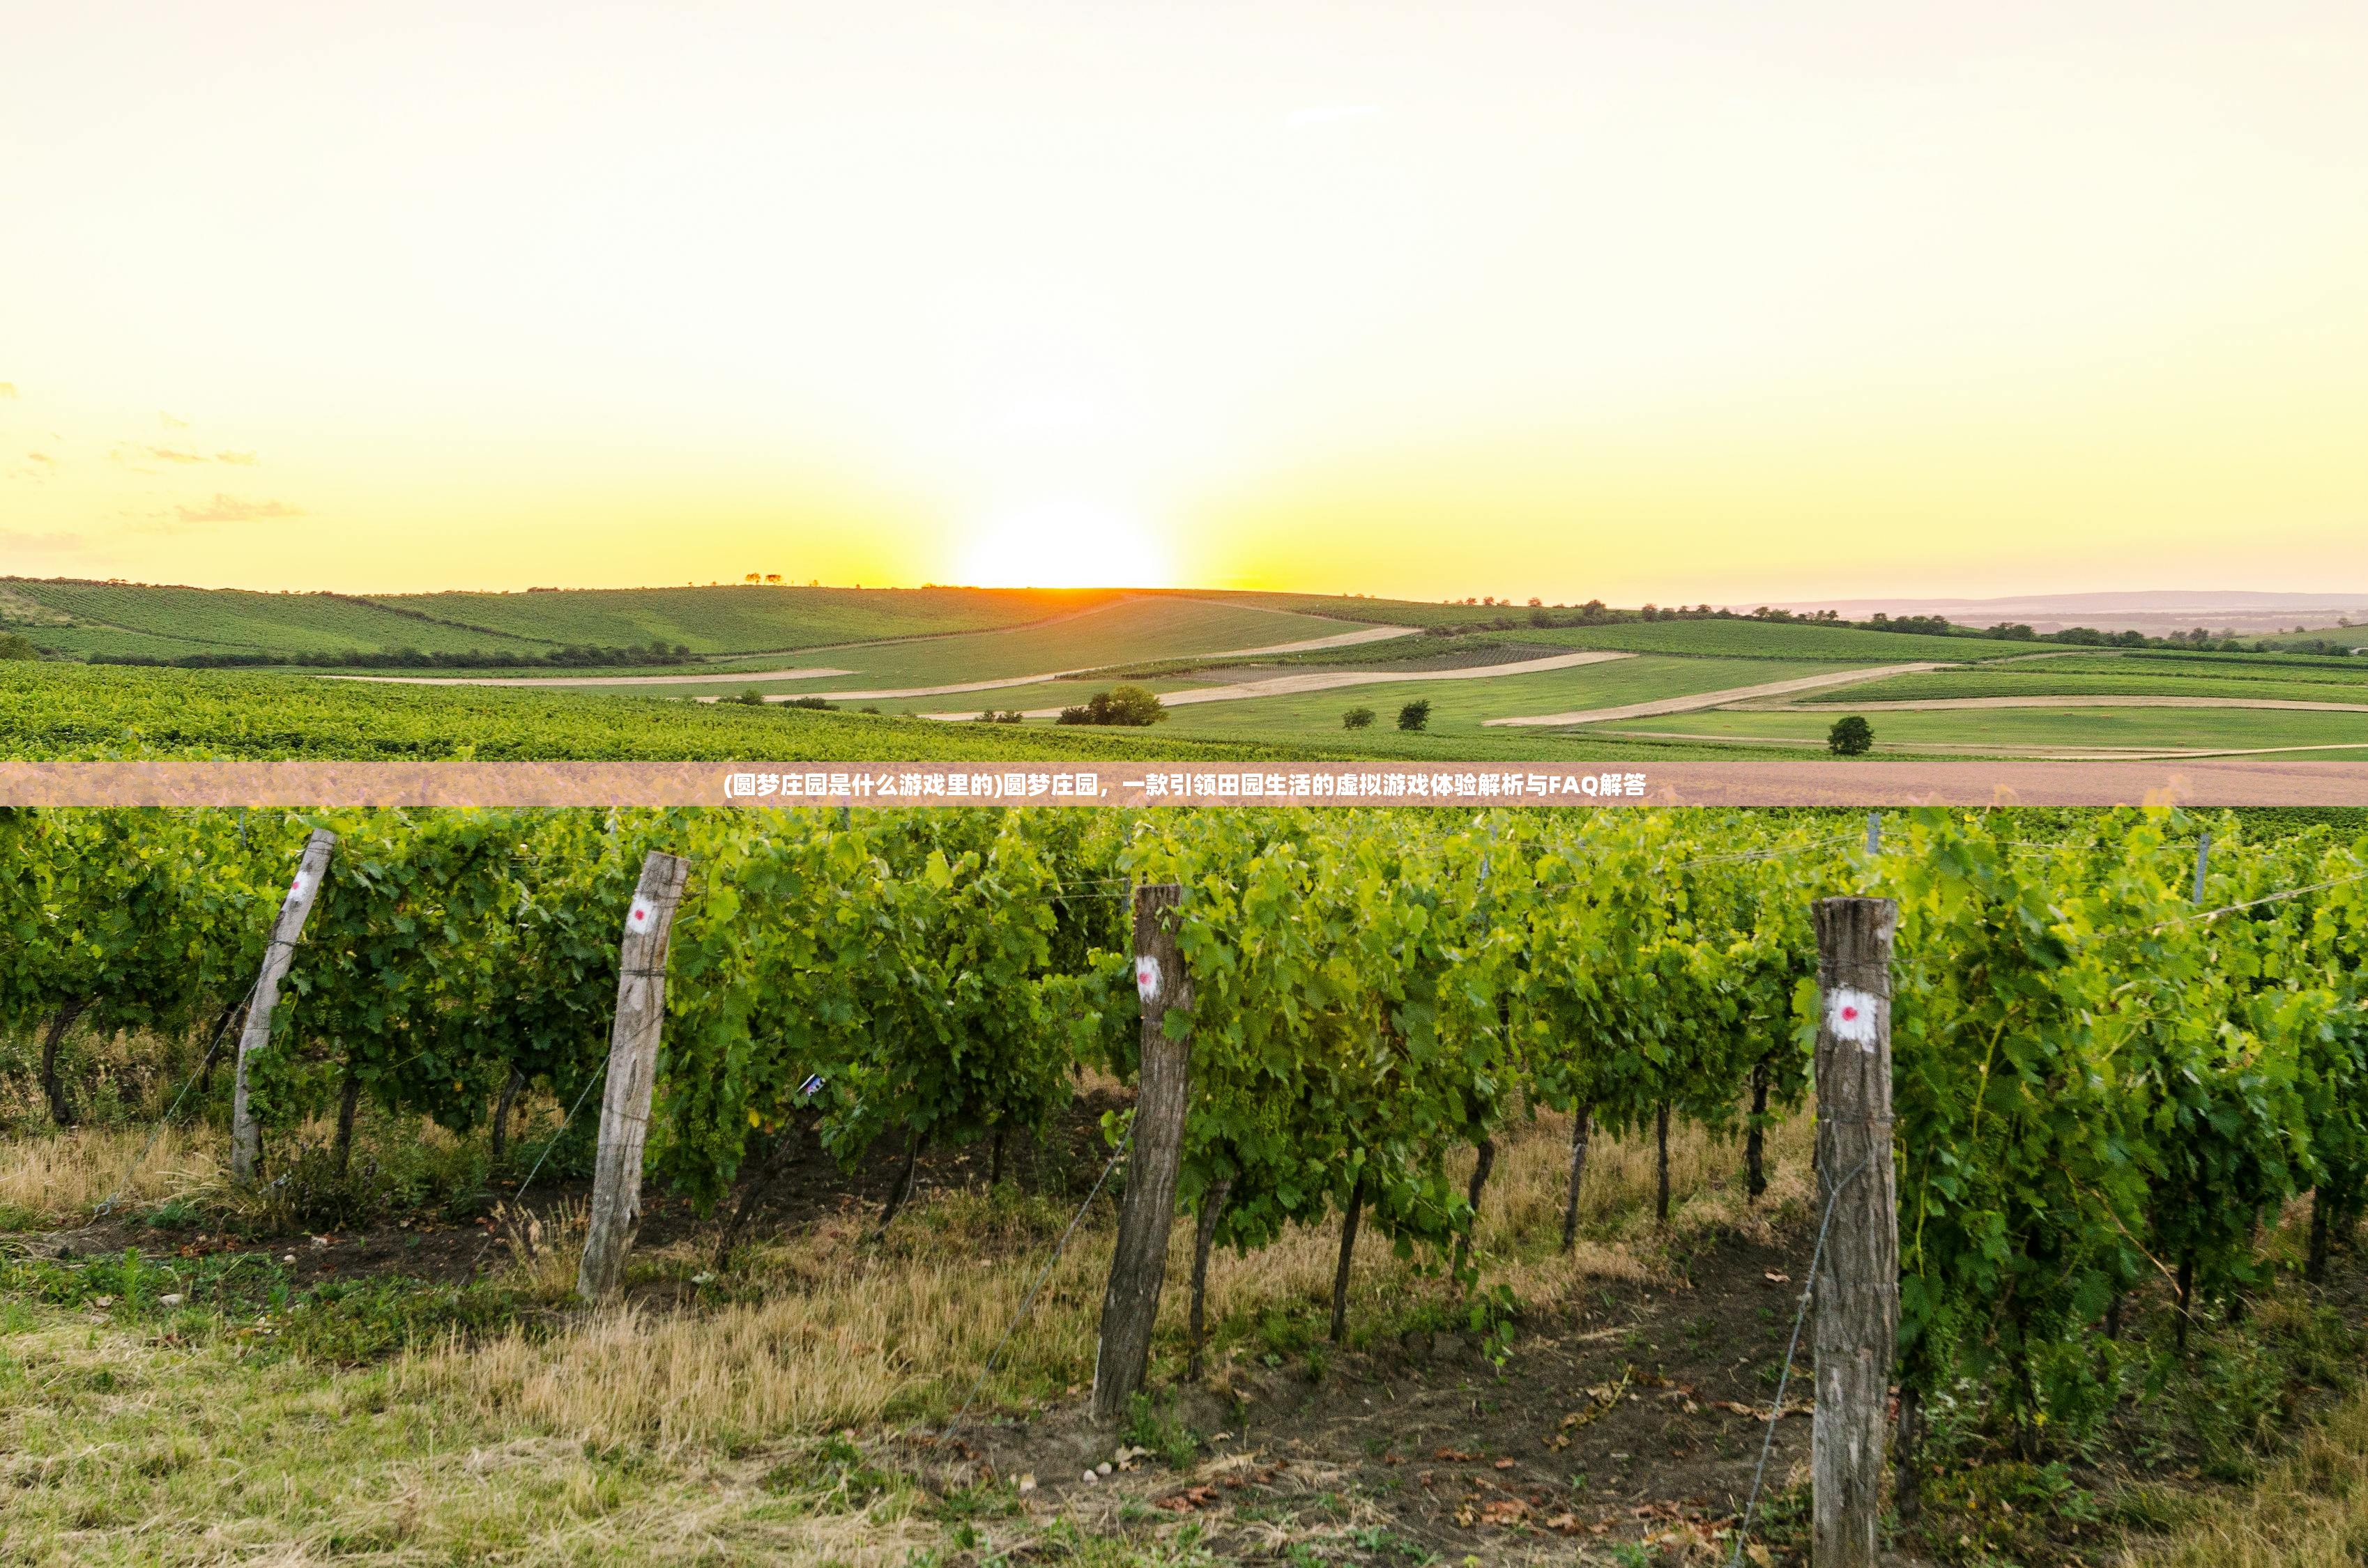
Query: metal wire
point(563, 1125)
point(156, 1132)
point(1743, 1531)
point(1030, 1299)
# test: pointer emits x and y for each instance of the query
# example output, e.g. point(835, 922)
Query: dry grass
point(60, 1177)
point(653, 1436)
point(2309, 1511)
point(842, 1332)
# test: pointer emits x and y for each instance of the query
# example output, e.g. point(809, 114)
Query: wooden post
point(632, 1065)
point(246, 1137)
point(1139, 1263)
point(1858, 1289)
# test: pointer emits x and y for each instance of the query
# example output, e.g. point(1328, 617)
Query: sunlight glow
point(1066, 544)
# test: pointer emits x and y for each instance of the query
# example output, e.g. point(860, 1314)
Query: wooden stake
point(1212, 1206)
point(633, 1066)
point(1579, 1121)
point(245, 1136)
point(1858, 1290)
point(1139, 1265)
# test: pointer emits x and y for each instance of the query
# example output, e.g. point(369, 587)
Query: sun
point(1066, 544)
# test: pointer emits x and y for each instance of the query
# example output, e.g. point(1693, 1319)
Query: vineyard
point(2124, 1042)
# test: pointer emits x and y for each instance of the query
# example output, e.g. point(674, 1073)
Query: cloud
point(133, 453)
point(8, 389)
point(233, 509)
point(42, 458)
point(41, 544)
point(169, 422)
point(1326, 114)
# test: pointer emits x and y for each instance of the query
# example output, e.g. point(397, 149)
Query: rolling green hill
point(80, 618)
point(741, 619)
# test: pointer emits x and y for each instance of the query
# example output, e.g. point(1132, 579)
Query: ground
point(418, 1385)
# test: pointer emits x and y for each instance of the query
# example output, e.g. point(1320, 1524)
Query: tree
point(1133, 706)
point(16, 645)
point(1852, 736)
point(1415, 715)
point(1356, 719)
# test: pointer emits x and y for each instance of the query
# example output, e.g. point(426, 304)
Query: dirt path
point(743, 678)
point(1714, 698)
point(1938, 704)
point(1332, 681)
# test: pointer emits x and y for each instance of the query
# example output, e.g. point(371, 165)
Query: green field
point(115, 618)
point(1775, 640)
point(2069, 729)
point(1169, 640)
point(745, 618)
point(2048, 680)
point(220, 620)
point(1115, 633)
point(68, 711)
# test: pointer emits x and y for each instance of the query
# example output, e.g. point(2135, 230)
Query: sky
point(1675, 301)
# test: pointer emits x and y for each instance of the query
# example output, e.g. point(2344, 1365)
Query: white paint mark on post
point(1849, 1015)
point(637, 919)
point(1146, 977)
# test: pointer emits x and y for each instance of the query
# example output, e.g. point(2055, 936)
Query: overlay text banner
point(2187, 781)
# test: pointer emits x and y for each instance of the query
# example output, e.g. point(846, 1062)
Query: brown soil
point(1637, 1418)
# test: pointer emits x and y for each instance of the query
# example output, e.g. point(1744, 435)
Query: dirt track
point(1712, 699)
point(1333, 680)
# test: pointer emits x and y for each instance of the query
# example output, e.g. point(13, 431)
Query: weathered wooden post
point(1139, 1263)
point(1858, 1289)
point(246, 1137)
point(632, 1067)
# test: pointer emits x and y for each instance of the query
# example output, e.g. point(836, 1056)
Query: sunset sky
point(1668, 301)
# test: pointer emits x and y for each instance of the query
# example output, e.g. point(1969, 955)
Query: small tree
point(1356, 719)
point(1415, 715)
point(1851, 736)
point(752, 697)
point(16, 645)
point(1133, 706)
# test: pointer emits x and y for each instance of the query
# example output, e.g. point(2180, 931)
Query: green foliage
point(1415, 715)
point(1356, 719)
point(16, 645)
point(62, 712)
point(2093, 1076)
point(1850, 736)
point(1132, 707)
point(1155, 1428)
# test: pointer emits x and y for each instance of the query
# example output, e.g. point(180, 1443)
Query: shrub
point(751, 697)
point(1133, 706)
point(16, 645)
point(1851, 736)
point(1415, 715)
point(816, 702)
point(1356, 719)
